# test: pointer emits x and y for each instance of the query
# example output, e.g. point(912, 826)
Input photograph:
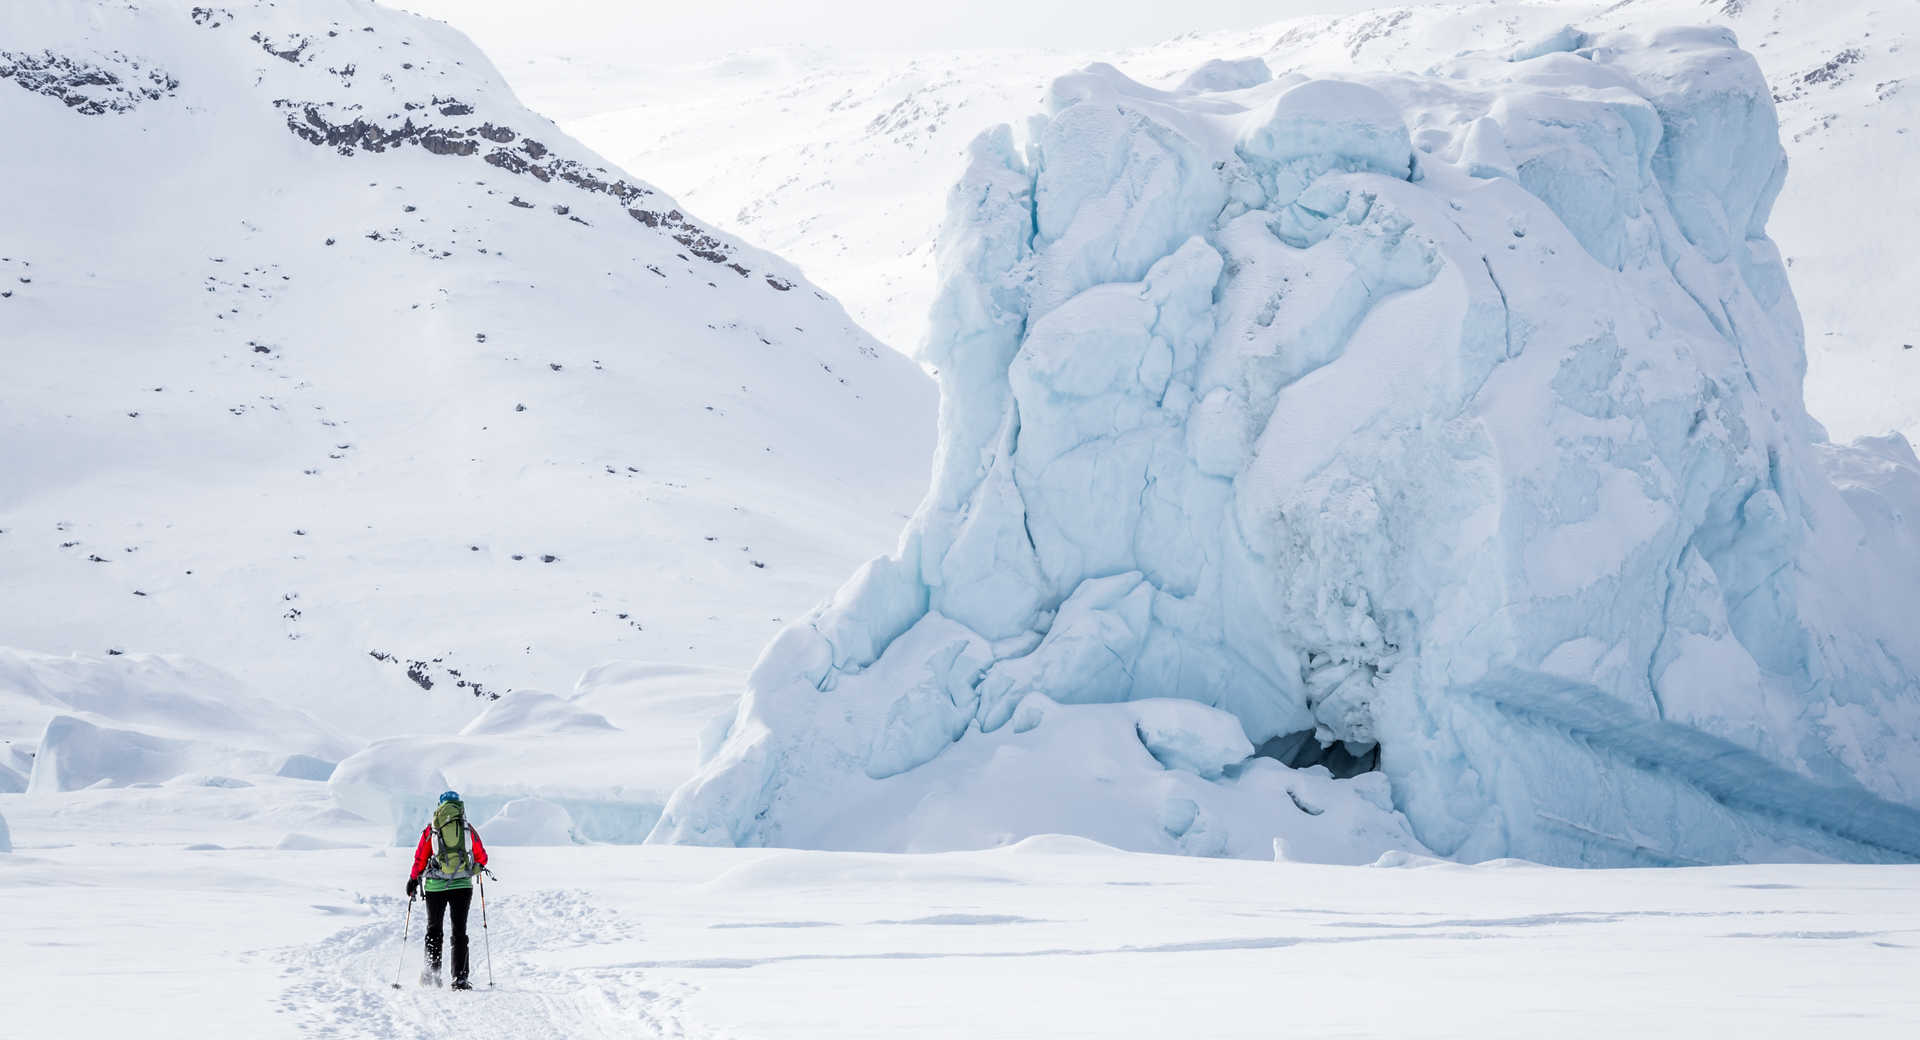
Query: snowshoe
point(429, 977)
point(462, 984)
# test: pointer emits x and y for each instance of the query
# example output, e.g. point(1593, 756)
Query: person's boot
point(430, 971)
point(460, 963)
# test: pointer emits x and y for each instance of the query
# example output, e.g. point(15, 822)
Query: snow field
point(1053, 937)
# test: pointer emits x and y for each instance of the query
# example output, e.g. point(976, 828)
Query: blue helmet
point(449, 796)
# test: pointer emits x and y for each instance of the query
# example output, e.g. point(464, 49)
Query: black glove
point(413, 886)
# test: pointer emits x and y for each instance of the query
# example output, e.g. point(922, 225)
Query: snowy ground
point(1050, 938)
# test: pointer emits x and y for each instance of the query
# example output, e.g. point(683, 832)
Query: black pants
point(458, 900)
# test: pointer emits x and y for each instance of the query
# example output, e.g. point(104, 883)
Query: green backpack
point(452, 852)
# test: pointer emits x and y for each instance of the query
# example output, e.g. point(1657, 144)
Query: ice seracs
point(1446, 424)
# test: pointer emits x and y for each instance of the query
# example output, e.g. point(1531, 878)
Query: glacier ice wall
point(1453, 419)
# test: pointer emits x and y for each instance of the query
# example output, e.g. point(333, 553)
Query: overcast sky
point(699, 29)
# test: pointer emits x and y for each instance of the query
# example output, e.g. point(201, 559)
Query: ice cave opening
point(1303, 749)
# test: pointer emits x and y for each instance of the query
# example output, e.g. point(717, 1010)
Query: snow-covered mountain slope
point(1448, 424)
point(840, 161)
point(325, 360)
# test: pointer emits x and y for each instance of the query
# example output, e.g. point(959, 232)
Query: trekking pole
point(405, 930)
point(486, 936)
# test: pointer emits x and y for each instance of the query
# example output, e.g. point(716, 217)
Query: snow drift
point(544, 769)
point(1440, 436)
point(77, 722)
point(529, 821)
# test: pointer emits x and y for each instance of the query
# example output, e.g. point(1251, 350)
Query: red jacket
point(425, 849)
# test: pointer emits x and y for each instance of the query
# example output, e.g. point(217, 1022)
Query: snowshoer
point(445, 863)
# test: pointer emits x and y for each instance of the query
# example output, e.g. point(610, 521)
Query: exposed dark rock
point(291, 51)
point(84, 87)
point(440, 143)
point(703, 246)
point(329, 125)
point(507, 161)
point(1833, 70)
point(478, 690)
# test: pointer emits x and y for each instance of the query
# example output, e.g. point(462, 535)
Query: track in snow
point(343, 986)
